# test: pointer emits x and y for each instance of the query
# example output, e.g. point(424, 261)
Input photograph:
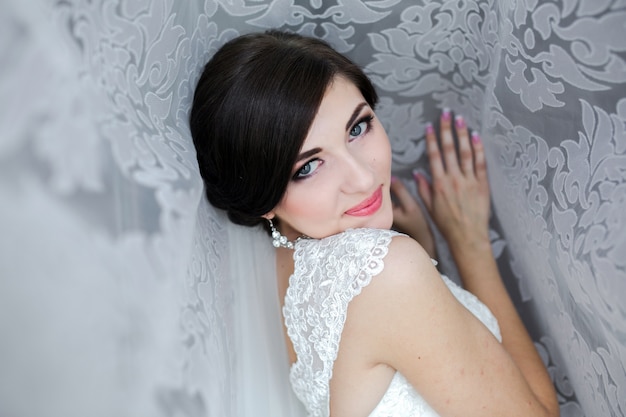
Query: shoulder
point(353, 240)
point(346, 263)
point(407, 265)
point(353, 258)
point(408, 273)
point(351, 250)
point(406, 280)
point(397, 258)
point(359, 242)
point(407, 298)
point(337, 267)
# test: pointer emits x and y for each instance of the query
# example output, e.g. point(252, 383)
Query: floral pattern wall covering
point(120, 290)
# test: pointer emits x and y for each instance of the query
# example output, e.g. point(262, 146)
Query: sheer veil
point(123, 293)
point(261, 361)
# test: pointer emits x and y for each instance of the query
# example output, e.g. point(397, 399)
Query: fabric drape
point(123, 293)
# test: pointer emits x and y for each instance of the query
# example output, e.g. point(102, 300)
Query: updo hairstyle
point(252, 109)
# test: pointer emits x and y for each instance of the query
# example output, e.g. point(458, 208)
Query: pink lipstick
point(368, 206)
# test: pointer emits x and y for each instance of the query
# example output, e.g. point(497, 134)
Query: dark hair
point(252, 109)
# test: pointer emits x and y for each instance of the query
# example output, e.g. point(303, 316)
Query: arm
point(412, 323)
point(459, 203)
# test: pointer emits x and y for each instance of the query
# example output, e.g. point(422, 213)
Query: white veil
point(123, 294)
point(261, 361)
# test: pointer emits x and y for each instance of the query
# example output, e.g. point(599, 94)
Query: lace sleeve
point(328, 274)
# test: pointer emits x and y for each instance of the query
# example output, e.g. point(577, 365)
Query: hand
point(408, 217)
point(458, 199)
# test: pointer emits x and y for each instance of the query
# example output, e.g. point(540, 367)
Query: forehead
point(340, 101)
point(340, 92)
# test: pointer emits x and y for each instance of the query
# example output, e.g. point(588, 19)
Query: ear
point(269, 215)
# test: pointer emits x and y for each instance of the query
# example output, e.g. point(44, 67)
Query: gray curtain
point(120, 287)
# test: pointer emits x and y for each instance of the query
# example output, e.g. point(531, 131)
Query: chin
point(381, 225)
point(383, 220)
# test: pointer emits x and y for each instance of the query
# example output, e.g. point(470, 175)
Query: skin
point(407, 320)
point(339, 169)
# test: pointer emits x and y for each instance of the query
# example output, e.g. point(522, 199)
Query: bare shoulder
point(406, 308)
point(405, 259)
point(408, 320)
point(408, 272)
point(409, 287)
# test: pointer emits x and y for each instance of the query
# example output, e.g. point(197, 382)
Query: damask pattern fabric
point(122, 292)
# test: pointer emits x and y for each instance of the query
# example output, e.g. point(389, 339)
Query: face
point(342, 176)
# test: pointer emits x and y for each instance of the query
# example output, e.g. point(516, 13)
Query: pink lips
point(368, 206)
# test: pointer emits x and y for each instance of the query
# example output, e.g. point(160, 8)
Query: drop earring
point(278, 240)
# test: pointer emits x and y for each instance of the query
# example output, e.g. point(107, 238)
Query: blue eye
point(361, 127)
point(307, 169)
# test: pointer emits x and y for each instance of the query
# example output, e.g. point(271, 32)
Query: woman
point(286, 136)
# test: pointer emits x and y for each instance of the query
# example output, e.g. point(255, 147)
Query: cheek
point(309, 211)
point(293, 205)
point(382, 154)
point(304, 203)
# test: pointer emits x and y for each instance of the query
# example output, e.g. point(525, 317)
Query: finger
point(423, 188)
point(480, 164)
point(403, 196)
point(437, 169)
point(447, 143)
point(466, 158)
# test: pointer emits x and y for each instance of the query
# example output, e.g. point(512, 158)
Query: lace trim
point(328, 274)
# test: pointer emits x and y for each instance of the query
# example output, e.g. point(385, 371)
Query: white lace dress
point(328, 274)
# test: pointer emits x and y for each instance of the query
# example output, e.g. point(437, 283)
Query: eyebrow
point(306, 154)
point(355, 114)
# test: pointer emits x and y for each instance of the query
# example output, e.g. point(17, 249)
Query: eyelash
point(297, 176)
point(368, 126)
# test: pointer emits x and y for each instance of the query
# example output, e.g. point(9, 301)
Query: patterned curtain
point(119, 288)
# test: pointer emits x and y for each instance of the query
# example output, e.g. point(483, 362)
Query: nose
point(358, 174)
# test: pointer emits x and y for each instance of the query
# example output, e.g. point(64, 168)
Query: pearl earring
point(278, 240)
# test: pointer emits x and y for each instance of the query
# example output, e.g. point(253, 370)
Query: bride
point(287, 138)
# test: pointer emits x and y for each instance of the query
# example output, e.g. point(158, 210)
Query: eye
point(307, 169)
point(361, 127)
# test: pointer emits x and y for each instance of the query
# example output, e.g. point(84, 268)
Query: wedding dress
point(328, 274)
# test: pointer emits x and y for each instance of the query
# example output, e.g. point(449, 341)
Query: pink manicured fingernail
point(475, 137)
point(394, 179)
point(417, 175)
point(445, 114)
point(429, 128)
point(460, 122)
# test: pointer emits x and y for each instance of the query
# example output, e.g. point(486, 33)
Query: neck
point(291, 233)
